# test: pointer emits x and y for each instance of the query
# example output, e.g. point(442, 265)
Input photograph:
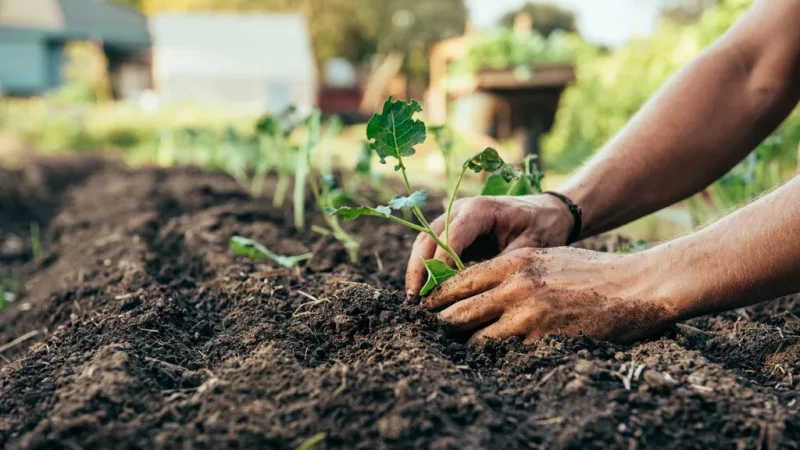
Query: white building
point(244, 62)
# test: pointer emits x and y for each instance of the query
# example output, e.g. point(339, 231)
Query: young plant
point(512, 181)
point(254, 250)
point(393, 134)
point(8, 289)
point(323, 192)
point(275, 152)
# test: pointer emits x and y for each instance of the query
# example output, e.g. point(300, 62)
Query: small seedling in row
point(8, 290)
point(393, 134)
point(321, 187)
point(512, 181)
point(276, 152)
point(257, 252)
point(36, 241)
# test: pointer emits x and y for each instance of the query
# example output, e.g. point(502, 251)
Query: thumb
point(464, 229)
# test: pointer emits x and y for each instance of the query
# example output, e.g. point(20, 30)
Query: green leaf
point(348, 213)
point(312, 442)
point(416, 199)
point(438, 272)
point(497, 185)
point(394, 132)
point(254, 250)
point(488, 160)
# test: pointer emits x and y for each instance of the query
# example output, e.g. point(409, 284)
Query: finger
point(523, 241)
point(464, 229)
point(470, 282)
point(424, 248)
point(504, 328)
point(476, 311)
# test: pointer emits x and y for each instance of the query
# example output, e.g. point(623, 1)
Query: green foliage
point(547, 18)
point(512, 181)
point(504, 49)
point(394, 132)
point(254, 250)
point(438, 272)
point(417, 199)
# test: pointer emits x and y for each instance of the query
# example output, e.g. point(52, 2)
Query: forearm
point(751, 256)
point(705, 120)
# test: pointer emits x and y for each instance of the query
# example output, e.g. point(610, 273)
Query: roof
point(76, 19)
point(276, 46)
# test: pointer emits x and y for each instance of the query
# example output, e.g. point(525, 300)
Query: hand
point(530, 293)
point(513, 222)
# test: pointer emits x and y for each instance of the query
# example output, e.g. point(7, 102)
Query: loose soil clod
point(160, 338)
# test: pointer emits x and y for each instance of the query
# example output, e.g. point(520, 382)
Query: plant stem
point(426, 227)
point(338, 232)
point(450, 206)
point(280, 189)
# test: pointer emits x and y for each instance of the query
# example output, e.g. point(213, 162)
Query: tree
point(547, 17)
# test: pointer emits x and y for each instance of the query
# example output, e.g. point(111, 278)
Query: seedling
point(275, 151)
point(8, 290)
point(36, 241)
point(254, 250)
point(323, 191)
point(394, 133)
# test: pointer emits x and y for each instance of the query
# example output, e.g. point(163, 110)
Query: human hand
point(513, 222)
point(531, 292)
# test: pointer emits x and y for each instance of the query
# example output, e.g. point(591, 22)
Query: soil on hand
point(142, 330)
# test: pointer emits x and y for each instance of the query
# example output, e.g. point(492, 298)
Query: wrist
point(553, 219)
point(644, 274)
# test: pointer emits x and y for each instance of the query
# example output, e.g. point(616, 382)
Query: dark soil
point(144, 331)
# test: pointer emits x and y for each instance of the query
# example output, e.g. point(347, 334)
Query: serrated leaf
point(254, 250)
point(394, 132)
point(416, 199)
point(438, 272)
point(348, 213)
point(488, 160)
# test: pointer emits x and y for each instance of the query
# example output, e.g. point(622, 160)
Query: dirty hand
point(533, 292)
point(512, 222)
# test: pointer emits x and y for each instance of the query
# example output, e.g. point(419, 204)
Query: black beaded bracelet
point(577, 214)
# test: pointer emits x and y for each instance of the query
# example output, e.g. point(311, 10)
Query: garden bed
point(144, 330)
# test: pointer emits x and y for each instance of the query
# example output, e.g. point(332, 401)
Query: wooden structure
point(525, 107)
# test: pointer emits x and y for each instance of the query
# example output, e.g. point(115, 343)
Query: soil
point(142, 330)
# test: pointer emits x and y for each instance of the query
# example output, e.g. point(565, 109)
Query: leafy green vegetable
point(394, 132)
point(418, 198)
point(438, 272)
point(254, 250)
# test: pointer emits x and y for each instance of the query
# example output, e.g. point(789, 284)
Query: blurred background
point(172, 82)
